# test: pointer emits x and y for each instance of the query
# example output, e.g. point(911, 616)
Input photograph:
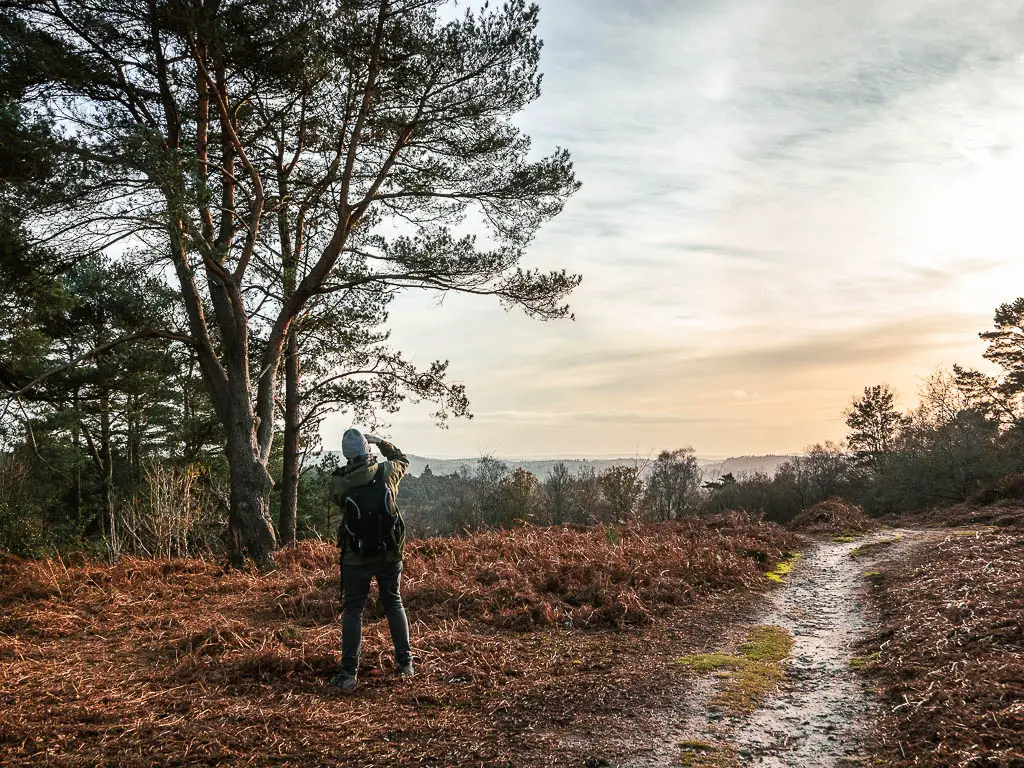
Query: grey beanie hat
point(354, 445)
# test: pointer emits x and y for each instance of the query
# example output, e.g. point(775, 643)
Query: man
point(371, 538)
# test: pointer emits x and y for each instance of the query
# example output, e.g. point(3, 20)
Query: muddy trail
point(815, 707)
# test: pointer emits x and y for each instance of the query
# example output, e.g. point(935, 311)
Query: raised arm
point(399, 461)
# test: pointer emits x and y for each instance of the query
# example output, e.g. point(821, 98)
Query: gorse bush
point(37, 516)
point(20, 525)
point(832, 516)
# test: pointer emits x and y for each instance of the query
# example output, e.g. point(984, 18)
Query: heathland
point(207, 211)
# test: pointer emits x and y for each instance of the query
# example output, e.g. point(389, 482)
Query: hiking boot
point(345, 682)
point(406, 670)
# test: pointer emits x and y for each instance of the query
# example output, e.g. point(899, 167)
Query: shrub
point(832, 516)
point(176, 513)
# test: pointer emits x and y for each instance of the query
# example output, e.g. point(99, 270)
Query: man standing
point(371, 538)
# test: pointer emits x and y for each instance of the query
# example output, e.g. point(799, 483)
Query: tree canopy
point(266, 156)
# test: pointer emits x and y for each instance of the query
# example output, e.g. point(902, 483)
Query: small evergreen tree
point(875, 426)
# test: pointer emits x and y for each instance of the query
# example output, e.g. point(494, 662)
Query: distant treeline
point(542, 468)
point(953, 447)
point(110, 474)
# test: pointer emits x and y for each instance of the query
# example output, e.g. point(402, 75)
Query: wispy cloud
point(792, 197)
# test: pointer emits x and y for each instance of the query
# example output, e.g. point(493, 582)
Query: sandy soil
point(817, 717)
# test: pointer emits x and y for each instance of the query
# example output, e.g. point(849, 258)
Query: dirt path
point(816, 717)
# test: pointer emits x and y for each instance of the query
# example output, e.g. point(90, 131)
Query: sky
point(783, 202)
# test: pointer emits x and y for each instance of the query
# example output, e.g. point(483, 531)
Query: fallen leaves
point(950, 657)
point(184, 662)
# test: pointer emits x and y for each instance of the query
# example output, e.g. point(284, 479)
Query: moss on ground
point(703, 754)
point(860, 662)
point(872, 547)
point(767, 643)
point(784, 567)
point(748, 676)
point(744, 689)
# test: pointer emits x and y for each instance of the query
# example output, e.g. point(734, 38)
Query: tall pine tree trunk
point(250, 484)
point(107, 476)
point(290, 475)
point(287, 518)
point(76, 485)
point(228, 381)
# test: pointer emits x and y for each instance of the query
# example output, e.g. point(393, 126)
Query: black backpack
point(370, 520)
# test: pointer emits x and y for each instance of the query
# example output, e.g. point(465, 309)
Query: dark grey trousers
point(355, 586)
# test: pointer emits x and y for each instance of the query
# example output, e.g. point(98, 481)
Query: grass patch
point(784, 567)
point(750, 675)
point(702, 754)
point(845, 538)
point(860, 662)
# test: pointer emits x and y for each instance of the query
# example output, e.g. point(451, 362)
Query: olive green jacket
point(363, 472)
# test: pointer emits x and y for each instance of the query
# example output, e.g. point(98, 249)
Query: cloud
point(570, 418)
point(616, 369)
point(795, 198)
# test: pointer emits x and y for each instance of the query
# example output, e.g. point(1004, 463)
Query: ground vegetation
point(948, 659)
point(515, 633)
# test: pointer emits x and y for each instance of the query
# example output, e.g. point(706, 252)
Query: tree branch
point(150, 334)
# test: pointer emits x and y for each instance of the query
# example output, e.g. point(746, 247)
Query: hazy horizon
point(712, 458)
point(783, 203)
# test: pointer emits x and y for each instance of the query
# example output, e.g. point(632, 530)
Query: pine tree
point(390, 120)
point(875, 425)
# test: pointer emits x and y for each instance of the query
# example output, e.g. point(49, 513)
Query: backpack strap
point(377, 478)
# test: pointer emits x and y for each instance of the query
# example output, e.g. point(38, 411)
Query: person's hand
point(374, 440)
